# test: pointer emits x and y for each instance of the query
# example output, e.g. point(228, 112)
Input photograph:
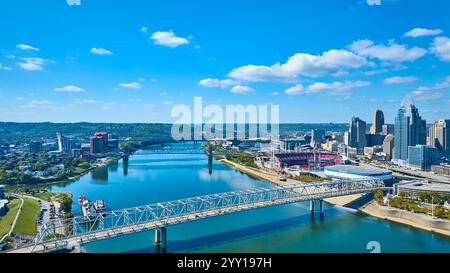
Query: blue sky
point(132, 61)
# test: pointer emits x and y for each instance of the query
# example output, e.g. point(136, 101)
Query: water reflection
point(125, 167)
point(210, 165)
point(114, 167)
point(100, 174)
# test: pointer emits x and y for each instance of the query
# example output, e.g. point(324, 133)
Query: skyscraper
point(388, 146)
point(66, 143)
point(423, 156)
point(388, 129)
point(440, 136)
point(378, 122)
point(96, 145)
point(410, 129)
point(317, 136)
point(357, 133)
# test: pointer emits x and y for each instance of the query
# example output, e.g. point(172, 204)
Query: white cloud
point(167, 102)
point(441, 47)
point(334, 88)
point(163, 94)
point(90, 101)
point(419, 32)
point(5, 67)
point(211, 83)
point(374, 72)
point(73, 2)
point(392, 52)
point(69, 88)
point(332, 62)
point(295, 90)
point(32, 64)
point(425, 93)
point(241, 89)
point(132, 85)
point(41, 102)
point(100, 51)
point(400, 80)
point(142, 80)
point(27, 47)
point(144, 29)
point(168, 38)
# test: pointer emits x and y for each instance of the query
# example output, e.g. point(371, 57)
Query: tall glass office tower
point(410, 129)
point(357, 133)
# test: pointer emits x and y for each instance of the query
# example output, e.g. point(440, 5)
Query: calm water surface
point(289, 228)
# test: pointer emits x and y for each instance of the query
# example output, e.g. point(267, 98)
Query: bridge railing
point(177, 211)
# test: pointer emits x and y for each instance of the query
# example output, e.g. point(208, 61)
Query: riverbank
point(105, 162)
point(421, 221)
point(274, 179)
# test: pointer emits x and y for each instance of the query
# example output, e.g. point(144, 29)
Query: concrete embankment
point(417, 220)
point(272, 178)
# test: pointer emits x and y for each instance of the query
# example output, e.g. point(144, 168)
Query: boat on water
point(91, 209)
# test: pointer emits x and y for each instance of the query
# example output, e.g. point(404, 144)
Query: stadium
point(306, 160)
point(357, 172)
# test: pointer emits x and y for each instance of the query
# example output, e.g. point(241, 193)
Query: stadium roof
point(358, 170)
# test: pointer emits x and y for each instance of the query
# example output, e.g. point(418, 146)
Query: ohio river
point(288, 228)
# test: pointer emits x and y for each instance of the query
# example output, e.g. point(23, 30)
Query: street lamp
point(432, 206)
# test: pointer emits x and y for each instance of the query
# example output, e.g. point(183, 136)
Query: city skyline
point(114, 67)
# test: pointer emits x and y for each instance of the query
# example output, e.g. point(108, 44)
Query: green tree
point(378, 194)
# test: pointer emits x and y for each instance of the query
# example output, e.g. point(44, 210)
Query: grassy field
point(7, 220)
point(46, 196)
point(26, 223)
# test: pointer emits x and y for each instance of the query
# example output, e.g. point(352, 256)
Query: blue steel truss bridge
point(77, 231)
point(182, 147)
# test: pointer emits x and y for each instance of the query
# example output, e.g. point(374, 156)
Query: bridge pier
point(311, 206)
point(161, 239)
point(321, 207)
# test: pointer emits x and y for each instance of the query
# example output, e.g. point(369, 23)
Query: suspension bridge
point(69, 233)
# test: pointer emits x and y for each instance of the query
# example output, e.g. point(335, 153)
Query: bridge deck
point(190, 211)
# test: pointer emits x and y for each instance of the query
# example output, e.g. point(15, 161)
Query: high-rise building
point(388, 129)
point(410, 129)
point(317, 136)
point(357, 133)
point(104, 137)
point(96, 145)
point(374, 139)
point(439, 136)
point(36, 147)
point(66, 143)
point(378, 122)
point(423, 156)
point(388, 146)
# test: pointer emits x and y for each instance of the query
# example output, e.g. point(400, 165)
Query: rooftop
point(3, 203)
point(357, 169)
point(424, 185)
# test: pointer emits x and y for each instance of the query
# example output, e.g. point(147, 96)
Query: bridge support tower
point(311, 206)
point(161, 239)
point(321, 207)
